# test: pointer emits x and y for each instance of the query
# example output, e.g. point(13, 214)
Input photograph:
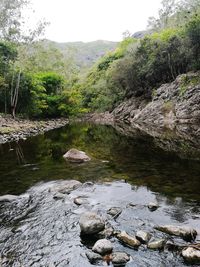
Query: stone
point(185, 232)
point(58, 196)
point(156, 244)
point(103, 246)
point(191, 254)
point(91, 223)
point(143, 237)
point(114, 212)
point(128, 240)
point(106, 233)
point(80, 201)
point(8, 198)
point(66, 187)
point(74, 155)
point(93, 257)
point(120, 258)
point(153, 206)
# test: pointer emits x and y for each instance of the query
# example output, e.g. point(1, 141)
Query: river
point(127, 171)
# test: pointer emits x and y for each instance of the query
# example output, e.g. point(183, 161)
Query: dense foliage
point(172, 47)
point(42, 79)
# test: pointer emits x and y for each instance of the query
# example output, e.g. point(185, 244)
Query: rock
point(153, 206)
point(66, 187)
point(128, 240)
point(103, 246)
point(191, 254)
point(80, 201)
point(8, 198)
point(58, 196)
point(185, 232)
point(156, 244)
point(74, 155)
point(91, 223)
point(120, 258)
point(143, 237)
point(93, 257)
point(114, 212)
point(106, 233)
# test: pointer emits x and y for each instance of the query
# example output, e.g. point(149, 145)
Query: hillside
point(84, 54)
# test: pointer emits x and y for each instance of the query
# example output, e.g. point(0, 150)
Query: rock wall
point(173, 103)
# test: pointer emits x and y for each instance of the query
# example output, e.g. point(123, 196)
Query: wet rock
point(58, 196)
point(128, 240)
point(74, 155)
point(191, 254)
point(66, 187)
point(80, 201)
point(153, 206)
point(114, 212)
point(8, 198)
point(143, 237)
point(120, 258)
point(156, 244)
point(182, 231)
point(91, 223)
point(93, 257)
point(103, 246)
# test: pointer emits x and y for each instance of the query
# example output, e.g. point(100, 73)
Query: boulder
point(185, 232)
point(91, 223)
point(66, 187)
point(74, 155)
point(103, 246)
point(120, 258)
point(191, 254)
point(143, 237)
point(156, 244)
point(128, 240)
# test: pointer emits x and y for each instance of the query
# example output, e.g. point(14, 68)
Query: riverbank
point(15, 129)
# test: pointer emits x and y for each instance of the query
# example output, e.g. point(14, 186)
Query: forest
point(38, 80)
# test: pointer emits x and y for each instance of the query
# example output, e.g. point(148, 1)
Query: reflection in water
point(136, 159)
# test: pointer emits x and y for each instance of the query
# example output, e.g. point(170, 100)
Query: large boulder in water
point(91, 223)
point(74, 155)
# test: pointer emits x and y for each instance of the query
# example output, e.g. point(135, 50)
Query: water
point(125, 169)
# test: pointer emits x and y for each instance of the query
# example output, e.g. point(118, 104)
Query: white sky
point(89, 20)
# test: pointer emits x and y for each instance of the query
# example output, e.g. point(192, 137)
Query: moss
point(6, 130)
point(186, 82)
point(167, 107)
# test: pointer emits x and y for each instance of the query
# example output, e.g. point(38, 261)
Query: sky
point(90, 20)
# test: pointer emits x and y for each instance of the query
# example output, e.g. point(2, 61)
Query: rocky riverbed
point(67, 223)
point(16, 129)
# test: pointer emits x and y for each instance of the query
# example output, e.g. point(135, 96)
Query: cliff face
point(172, 104)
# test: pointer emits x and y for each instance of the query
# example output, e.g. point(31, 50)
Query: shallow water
point(135, 171)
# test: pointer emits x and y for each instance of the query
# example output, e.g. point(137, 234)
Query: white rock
point(91, 223)
point(191, 254)
point(74, 155)
point(103, 246)
point(143, 237)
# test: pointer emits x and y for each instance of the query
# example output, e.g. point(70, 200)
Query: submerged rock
point(182, 231)
point(103, 246)
point(143, 237)
point(153, 206)
point(156, 244)
point(191, 254)
point(66, 187)
point(91, 223)
point(74, 155)
point(93, 257)
point(80, 201)
point(114, 212)
point(8, 198)
point(120, 258)
point(128, 240)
